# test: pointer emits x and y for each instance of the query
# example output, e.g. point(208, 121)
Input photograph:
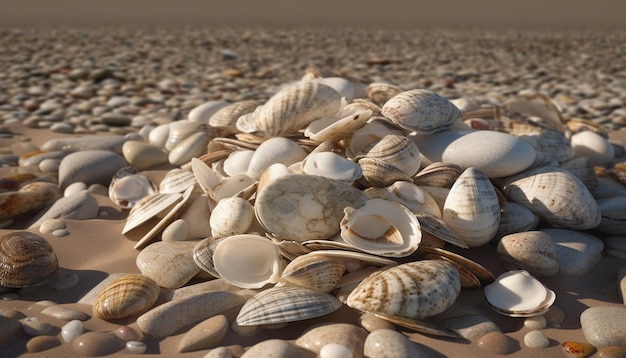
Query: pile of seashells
point(333, 193)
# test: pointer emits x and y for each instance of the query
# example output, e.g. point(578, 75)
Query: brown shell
point(30, 197)
point(26, 259)
point(126, 296)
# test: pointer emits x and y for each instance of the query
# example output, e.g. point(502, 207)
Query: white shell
point(409, 195)
point(128, 187)
point(180, 130)
point(335, 129)
point(148, 208)
point(205, 176)
point(177, 181)
point(274, 150)
point(333, 166)
point(517, 293)
point(421, 110)
point(231, 216)
point(381, 227)
point(248, 261)
point(237, 162)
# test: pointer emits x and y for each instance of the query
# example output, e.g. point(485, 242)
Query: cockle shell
point(472, 209)
point(381, 227)
point(331, 165)
point(517, 293)
point(126, 296)
point(368, 135)
point(380, 92)
point(203, 254)
point(421, 110)
point(26, 259)
point(554, 195)
point(438, 174)
point(248, 261)
point(304, 207)
point(231, 216)
point(395, 150)
point(32, 196)
point(291, 109)
point(516, 218)
point(128, 187)
point(378, 173)
point(416, 290)
point(314, 271)
point(286, 304)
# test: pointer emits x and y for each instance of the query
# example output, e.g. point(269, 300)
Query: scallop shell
point(314, 271)
point(416, 290)
point(304, 207)
point(126, 296)
point(128, 187)
point(226, 117)
point(421, 110)
point(395, 150)
point(381, 227)
point(472, 209)
point(556, 196)
point(517, 293)
point(291, 109)
point(30, 197)
point(286, 304)
point(177, 181)
point(26, 260)
point(248, 261)
point(331, 165)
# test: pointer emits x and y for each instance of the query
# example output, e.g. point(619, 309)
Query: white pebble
point(49, 165)
point(74, 188)
point(536, 339)
point(536, 322)
point(593, 146)
point(71, 330)
point(136, 347)
point(335, 350)
point(60, 233)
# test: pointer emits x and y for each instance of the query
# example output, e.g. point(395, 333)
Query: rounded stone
point(89, 167)
point(372, 323)
point(9, 329)
point(193, 146)
point(142, 155)
point(206, 334)
point(71, 330)
point(127, 334)
point(276, 348)
point(389, 343)
point(334, 350)
point(577, 251)
point(169, 263)
point(49, 165)
point(64, 313)
point(532, 251)
point(536, 339)
point(42, 343)
point(33, 326)
point(604, 326)
point(612, 352)
point(97, 344)
point(555, 316)
point(178, 230)
point(577, 349)
point(340, 333)
point(494, 153)
point(535, 322)
point(593, 146)
point(50, 225)
point(497, 343)
point(136, 347)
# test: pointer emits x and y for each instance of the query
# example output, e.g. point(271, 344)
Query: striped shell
point(314, 271)
point(32, 196)
point(126, 296)
point(26, 259)
point(421, 110)
point(417, 290)
point(286, 304)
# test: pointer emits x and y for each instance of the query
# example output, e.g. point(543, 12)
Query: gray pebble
point(604, 326)
point(89, 167)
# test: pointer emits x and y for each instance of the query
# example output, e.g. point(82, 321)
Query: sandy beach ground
point(571, 51)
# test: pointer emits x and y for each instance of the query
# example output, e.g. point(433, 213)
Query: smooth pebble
point(532, 251)
point(274, 348)
point(169, 263)
point(612, 352)
point(85, 144)
point(334, 350)
point(136, 347)
point(80, 206)
point(42, 343)
point(127, 333)
point(535, 322)
point(577, 251)
point(33, 326)
point(74, 188)
point(345, 334)
point(372, 323)
point(193, 146)
point(604, 326)
point(389, 343)
point(9, 329)
point(206, 334)
point(50, 225)
point(593, 146)
point(577, 349)
point(71, 330)
point(65, 313)
point(49, 165)
point(143, 155)
point(97, 344)
point(89, 167)
point(498, 343)
point(178, 230)
point(536, 339)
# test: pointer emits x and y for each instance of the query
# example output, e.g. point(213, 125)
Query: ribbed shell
point(286, 304)
point(421, 110)
point(395, 150)
point(30, 197)
point(126, 296)
point(226, 117)
point(26, 259)
point(380, 92)
point(472, 209)
point(314, 271)
point(416, 290)
point(556, 196)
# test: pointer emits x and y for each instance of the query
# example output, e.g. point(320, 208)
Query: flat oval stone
point(193, 146)
point(169, 263)
point(604, 326)
point(136, 347)
point(80, 206)
point(48, 226)
point(71, 330)
point(33, 326)
point(498, 343)
point(205, 335)
point(432, 146)
point(536, 339)
point(372, 323)
point(494, 153)
point(9, 329)
point(576, 251)
point(535, 322)
point(90, 167)
point(143, 155)
point(97, 344)
point(532, 251)
point(389, 343)
point(64, 313)
point(593, 146)
point(42, 343)
point(205, 111)
point(468, 321)
point(276, 348)
point(89, 143)
point(577, 349)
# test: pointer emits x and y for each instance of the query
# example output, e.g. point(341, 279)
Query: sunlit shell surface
point(314, 271)
point(286, 304)
point(332, 165)
point(517, 293)
point(30, 197)
point(409, 195)
point(26, 259)
point(417, 289)
point(304, 207)
point(381, 227)
point(421, 110)
point(395, 150)
point(248, 261)
point(126, 296)
point(128, 187)
point(149, 207)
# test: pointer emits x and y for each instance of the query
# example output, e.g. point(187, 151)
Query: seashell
point(248, 261)
point(226, 117)
point(126, 296)
point(291, 109)
point(314, 271)
point(333, 130)
point(206, 178)
point(438, 228)
point(231, 216)
point(484, 276)
point(409, 195)
point(26, 260)
point(149, 207)
point(344, 87)
point(517, 293)
point(304, 207)
point(377, 173)
point(438, 174)
point(516, 218)
point(32, 196)
point(593, 146)
point(193, 146)
point(177, 181)
point(368, 135)
point(532, 251)
point(533, 103)
point(331, 165)
point(468, 279)
point(421, 326)
point(381, 227)
point(237, 162)
point(438, 193)
point(395, 150)
point(14, 181)
point(238, 185)
point(472, 209)
point(416, 290)
point(180, 130)
point(205, 111)
point(274, 150)
point(286, 304)
point(466, 105)
point(128, 187)
point(554, 195)
point(203, 254)
point(351, 260)
point(380, 92)
point(421, 111)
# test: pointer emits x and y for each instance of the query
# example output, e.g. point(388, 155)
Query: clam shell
point(351, 260)
point(377, 173)
point(380, 92)
point(516, 218)
point(583, 169)
point(128, 187)
point(518, 293)
point(177, 181)
point(126, 296)
point(485, 276)
point(334, 130)
point(412, 290)
point(331, 165)
point(438, 174)
point(533, 103)
point(30, 197)
point(381, 227)
point(180, 130)
point(368, 135)
point(274, 150)
point(226, 117)
point(147, 208)
point(395, 150)
point(248, 261)
point(291, 109)
point(304, 207)
point(472, 209)
point(421, 110)
point(556, 196)
point(286, 304)
point(314, 271)
point(409, 195)
point(26, 260)
point(439, 229)
point(203, 255)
